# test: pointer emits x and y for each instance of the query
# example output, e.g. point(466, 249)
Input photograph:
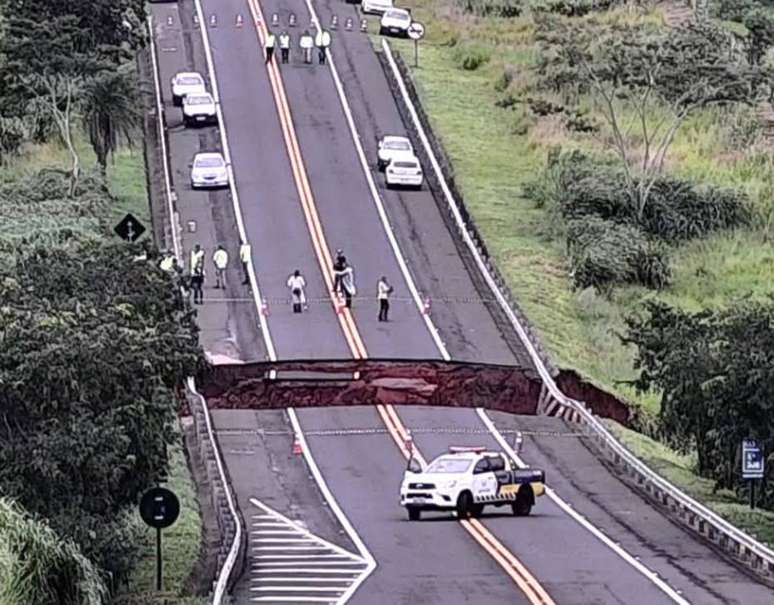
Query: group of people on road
point(321, 41)
point(343, 278)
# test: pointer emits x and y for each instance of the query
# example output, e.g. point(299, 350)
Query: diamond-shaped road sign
point(129, 228)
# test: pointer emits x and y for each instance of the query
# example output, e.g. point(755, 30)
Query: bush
point(505, 9)
point(604, 253)
point(471, 56)
point(573, 8)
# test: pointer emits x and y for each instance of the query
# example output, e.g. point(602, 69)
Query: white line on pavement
point(651, 575)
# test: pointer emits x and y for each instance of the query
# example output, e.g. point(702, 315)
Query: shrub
point(504, 80)
point(573, 8)
point(471, 56)
point(505, 9)
point(605, 253)
point(543, 107)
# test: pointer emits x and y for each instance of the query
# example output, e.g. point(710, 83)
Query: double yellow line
point(400, 435)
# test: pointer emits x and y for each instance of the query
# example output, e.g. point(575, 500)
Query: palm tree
point(110, 111)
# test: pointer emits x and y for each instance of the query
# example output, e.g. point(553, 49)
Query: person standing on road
point(284, 42)
point(344, 278)
point(220, 260)
point(271, 41)
point(383, 291)
point(167, 263)
point(197, 256)
point(297, 284)
point(338, 270)
point(197, 281)
point(322, 41)
point(244, 256)
point(306, 43)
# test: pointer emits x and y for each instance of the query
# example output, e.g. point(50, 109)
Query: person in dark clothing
point(344, 278)
point(383, 291)
point(197, 283)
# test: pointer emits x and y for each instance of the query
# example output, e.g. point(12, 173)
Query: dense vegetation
point(95, 337)
point(608, 176)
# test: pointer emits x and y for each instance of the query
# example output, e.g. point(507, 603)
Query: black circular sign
point(159, 507)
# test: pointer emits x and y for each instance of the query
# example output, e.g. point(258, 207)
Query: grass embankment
point(493, 157)
point(126, 179)
point(494, 154)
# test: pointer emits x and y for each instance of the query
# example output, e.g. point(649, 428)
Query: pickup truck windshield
point(449, 465)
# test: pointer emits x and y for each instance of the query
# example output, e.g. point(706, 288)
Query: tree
point(760, 25)
point(715, 371)
point(110, 111)
point(649, 82)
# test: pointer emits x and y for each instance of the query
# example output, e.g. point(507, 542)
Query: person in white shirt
point(383, 291)
point(322, 40)
point(306, 43)
point(244, 256)
point(297, 283)
point(220, 260)
point(284, 42)
point(197, 257)
point(271, 41)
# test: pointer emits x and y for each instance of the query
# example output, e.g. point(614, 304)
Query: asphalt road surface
point(432, 562)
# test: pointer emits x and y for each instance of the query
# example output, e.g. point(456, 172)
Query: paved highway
point(434, 562)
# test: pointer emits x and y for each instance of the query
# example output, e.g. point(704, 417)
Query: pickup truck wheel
point(414, 514)
point(522, 507)
point(465, 505)
point(477, 510)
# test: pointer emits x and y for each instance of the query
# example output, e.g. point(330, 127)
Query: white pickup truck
point(467, 479)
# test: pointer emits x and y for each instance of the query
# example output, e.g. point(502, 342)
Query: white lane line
point(434, 333)
point(270, 351)
point(344, 581)
point(163, 140)
point(284, 540)
point(295, 599)
point(309, 561)
point(301, 557)
point(283, 548)
point(650, 575)
point(287, 569)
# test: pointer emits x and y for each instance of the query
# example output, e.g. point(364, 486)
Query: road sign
point(752, 460)
point(159, 507)
point(416, 31)
point(129, 228)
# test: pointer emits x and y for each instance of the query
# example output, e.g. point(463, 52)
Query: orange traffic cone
point(239, 20)
point(426, 307)
point(264, 308)
point(297, 449)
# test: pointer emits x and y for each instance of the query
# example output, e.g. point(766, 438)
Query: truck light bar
point(458, 449)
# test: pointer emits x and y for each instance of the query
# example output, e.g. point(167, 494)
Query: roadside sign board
point(416, 31)
point(129, 228)
point(752, 460)
point(159, 507)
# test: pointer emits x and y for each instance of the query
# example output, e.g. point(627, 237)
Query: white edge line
point(377, 198)
point(228, 564)
point(231, 182)
point(335, 508)
point(651, 575)
point(548, 381)
point(162, 139)
point(309, 535)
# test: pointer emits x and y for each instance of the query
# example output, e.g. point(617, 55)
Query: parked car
point(186, 83)
point(199, 108)
point(208, 170)
point(404, 170)
point(395, 21)
point(389, 147)
point(376, 7)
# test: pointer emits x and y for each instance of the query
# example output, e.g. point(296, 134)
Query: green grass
point(492, 162)
point(180, 543)
point(678, 469)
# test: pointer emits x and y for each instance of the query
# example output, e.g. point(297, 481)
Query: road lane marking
point(327, 495)
point(346, 319)
point(598, 533)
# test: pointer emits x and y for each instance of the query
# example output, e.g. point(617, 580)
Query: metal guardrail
point(743, 547)
point(223, 501)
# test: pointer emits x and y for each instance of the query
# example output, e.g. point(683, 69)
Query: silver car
point(404, 170)
point(208, 170)
point(199, 108)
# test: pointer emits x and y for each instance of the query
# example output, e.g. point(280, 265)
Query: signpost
point(129, 228)
point(753, 465)
point(416, 32)
point(159, 508)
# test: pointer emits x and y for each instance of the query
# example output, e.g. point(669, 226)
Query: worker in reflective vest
point(322, 41)
point(284, 42)
point(244, 256)
point(271, 40)
point(306, 43)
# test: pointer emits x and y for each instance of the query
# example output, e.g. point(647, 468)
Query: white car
point(389, 147)
point(467, 479)
point(395, 21)
point(403, 170)
point(199, 108)
point(376, 7)
point(208, 170)
point(186, 83)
